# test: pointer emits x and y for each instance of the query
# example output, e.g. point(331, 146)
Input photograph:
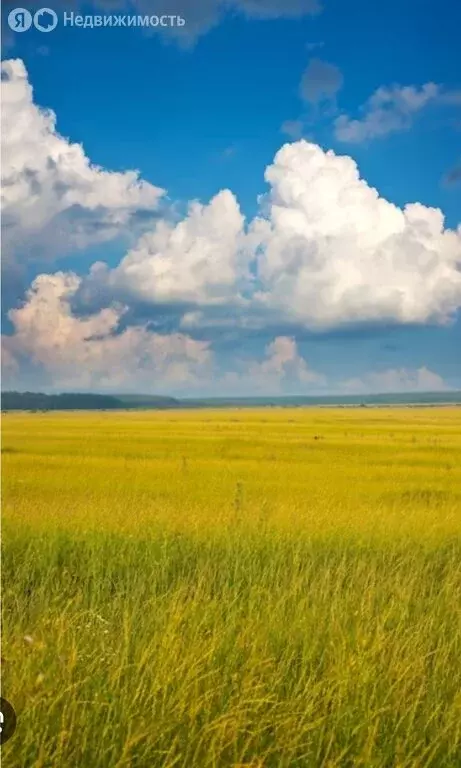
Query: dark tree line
point(71, 401)
point(38, 401)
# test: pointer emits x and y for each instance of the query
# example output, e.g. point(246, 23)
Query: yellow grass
point(274, 587)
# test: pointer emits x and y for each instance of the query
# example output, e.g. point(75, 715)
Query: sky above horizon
point(265, 200)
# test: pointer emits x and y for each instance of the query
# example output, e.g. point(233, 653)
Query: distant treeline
point(389, 399)
point(38, 401)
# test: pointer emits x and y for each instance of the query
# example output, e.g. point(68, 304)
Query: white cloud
point(281, 370)
point(396, 380)
point(87, 352)
point(392, 109)
point(326, 251)
point(331, 251)
point(203, 259)
point(52, 346)
point(53, 199)
point(10, 366)
point(283, 363)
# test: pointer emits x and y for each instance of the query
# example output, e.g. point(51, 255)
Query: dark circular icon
point(7, 721)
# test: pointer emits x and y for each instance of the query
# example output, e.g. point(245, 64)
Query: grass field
point(275, 588)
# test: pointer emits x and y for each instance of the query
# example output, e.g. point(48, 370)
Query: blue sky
point(208, 110)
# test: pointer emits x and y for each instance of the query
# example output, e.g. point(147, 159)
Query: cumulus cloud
point(51, 342)
point(320, 83)
point(396, 380)
point(326, 250)
point(331, 251)
point(281, 370)
point(283, 363)
point(52, 347)
point(391, 109)
point(203, 259)
point(53, 199)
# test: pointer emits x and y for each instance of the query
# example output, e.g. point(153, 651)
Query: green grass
point(202, 589)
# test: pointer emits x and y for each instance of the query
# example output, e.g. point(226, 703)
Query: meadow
point(274, 588)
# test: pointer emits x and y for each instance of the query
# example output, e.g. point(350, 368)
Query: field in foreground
point(207, 589)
